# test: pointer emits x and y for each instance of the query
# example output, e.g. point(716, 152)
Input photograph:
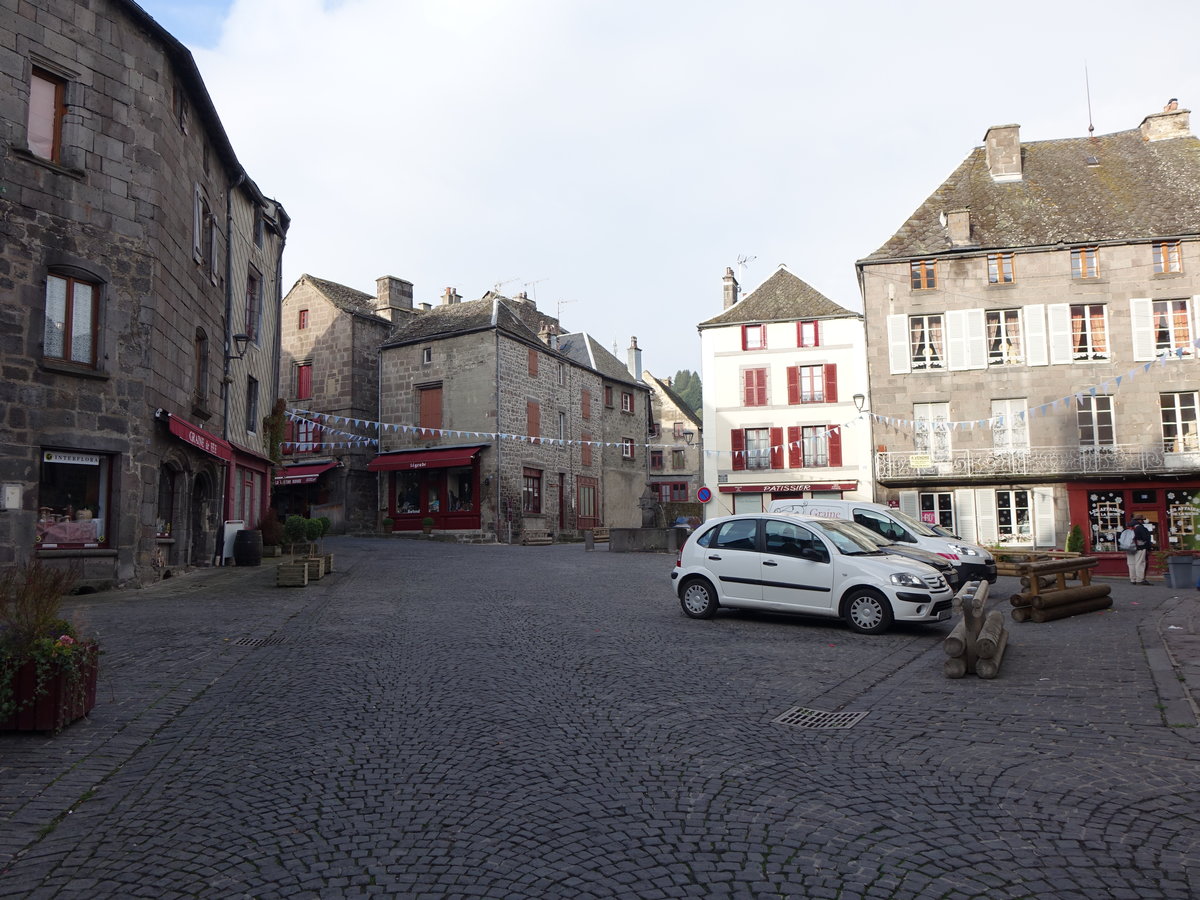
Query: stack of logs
point(978, 641)
point(1045, 596)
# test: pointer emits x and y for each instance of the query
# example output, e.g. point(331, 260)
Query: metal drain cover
point(802, 717)
point(258, 642)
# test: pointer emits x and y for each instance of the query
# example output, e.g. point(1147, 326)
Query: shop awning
point(440, 458)
point(303, 474)
point(197, 437)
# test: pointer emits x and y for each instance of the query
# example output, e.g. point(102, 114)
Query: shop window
point(1106, 518)
point(459, 488)
point(937, 508)
point(73, 499)
point(47, 108)
point(1013, 522)
point(531, 493)
point(408, 493)
point(71, 319)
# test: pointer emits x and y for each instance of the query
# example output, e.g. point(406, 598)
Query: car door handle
point(770, 562)
point(714, 556)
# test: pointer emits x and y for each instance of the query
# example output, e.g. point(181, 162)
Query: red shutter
point(831, 383)
point(431, 407)
point(794, 459)
point(793, 379)
point(304, 382)
point(776, 448)
point(289, 436)
point(585, 449)
point(816, 334)
point(835, 447)
point(533, 361)
point(748, 387)
point(743, 337)
point(533, 420)
point(755, 387)
point(586, 404)
point(737, 443)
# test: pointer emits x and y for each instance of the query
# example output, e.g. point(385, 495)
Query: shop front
point(752, 498)
point(1102, 509)
point(302, 487)
point(441, 484)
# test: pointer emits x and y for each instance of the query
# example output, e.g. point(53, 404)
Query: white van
point(973, 562)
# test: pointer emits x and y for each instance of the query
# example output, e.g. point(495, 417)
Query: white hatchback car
point(784, 563)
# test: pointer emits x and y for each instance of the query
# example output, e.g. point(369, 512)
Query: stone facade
point(129, 437)
point(677, 452)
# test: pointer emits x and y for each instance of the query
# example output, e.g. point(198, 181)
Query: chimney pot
point(1002, 147)
point(1172, 122)
point(730, 287)
point(634, 360)
point(958, 224)
point(393, 297)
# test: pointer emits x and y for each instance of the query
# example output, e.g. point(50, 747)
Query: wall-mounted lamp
point(240, 341)
point(860, 401)
point(689, 436)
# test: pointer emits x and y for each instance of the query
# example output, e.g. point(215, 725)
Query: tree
point(686, 384)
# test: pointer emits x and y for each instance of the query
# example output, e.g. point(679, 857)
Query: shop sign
point(784, 488)
point(71, 459)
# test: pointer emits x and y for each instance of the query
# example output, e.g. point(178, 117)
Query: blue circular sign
point(704, 495)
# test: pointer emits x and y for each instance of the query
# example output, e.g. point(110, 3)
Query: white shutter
point(899, 352)
point(985, 516)
point(1035, 335)
point(964, 515)
point(910, 504)
point(956, 339)
point(976, 338)
point(1196, 330)
point(1043, 517)
point(1141, 325)
point(197, 224)
point(1059, 315)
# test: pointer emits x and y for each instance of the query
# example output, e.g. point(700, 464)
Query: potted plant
point(388, 524)
point(1074, 540)
point(48, 671)
point(427, 525)
point(272, 532)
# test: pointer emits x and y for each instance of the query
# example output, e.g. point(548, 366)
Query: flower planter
point(293, 574)
point(57, 699)
point(316, 568)
point(328, 557)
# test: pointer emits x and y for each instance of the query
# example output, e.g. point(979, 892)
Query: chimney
point(450, 295)
point(1172, 122)
point(731, 288)
point(958, 224)
point(635, 360)
point(393, 297)
point(1002, 145)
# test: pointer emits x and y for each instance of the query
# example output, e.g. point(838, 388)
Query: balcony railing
point(1119, 459)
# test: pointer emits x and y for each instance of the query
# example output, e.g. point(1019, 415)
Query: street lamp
point(860, 401)
point(689, 436)
point(239, 342)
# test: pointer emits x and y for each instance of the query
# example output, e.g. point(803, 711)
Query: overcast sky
point(612, 157)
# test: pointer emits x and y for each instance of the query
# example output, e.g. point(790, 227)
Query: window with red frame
point(608, 396)
point(304, 381)
point(808, 334)
point(656, 459)
point(308, 437)
point(586, 490)
point(47, 107)
point(812, 384)
point(754, 337)
point(627, 448)
point(754, 387)
point(814, 446)
point(626, 402)
point(756, 448)
point(303, 323)
point(531, 493)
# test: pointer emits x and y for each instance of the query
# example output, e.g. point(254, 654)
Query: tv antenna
point(742, 262)
point(561, 304)
point(499, 284)
point(1087, 85)
point(532, 284)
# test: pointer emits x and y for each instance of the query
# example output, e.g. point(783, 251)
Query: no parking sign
point(704, 495)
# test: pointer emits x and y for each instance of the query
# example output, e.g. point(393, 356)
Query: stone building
point(1032, 340)
point(141, 333)
point(783, 388)
point(676, 451)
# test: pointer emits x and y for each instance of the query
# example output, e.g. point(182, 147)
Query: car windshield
point(919, 527)
point(845, 536)
point(866, 533)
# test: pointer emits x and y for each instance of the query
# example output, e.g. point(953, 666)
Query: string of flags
point(326, 422)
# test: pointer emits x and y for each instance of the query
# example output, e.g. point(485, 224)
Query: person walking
point(1136, 547)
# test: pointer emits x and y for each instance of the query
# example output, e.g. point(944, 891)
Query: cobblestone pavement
point(434, 720)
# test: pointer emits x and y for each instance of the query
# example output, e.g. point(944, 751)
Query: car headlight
point(964, 550)
point(907, 579)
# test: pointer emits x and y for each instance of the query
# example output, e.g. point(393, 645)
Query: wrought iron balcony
point(1118, 459)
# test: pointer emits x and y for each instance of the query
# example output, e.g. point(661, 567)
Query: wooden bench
point(536, 538)
point(600, 535)
point(1009, 562)
point(1044, 593)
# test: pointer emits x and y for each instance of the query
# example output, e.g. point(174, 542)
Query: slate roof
point(344, 298)
point(1138, 191)
point(584, 349)
point(515, 317)
point(782, 297)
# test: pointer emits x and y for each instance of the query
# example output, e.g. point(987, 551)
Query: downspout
point(499, 442)
point(379, 476)
point(277, 355)
point(231, 467)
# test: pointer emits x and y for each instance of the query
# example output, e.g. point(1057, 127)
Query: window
point(1085, 262)
point(47, 107)
point(1171, 329)
point(531, 493)
point(166, 501)
point(585, 448)
point(251, 404)
point(1167, 257)
point(925, 338)
point(303, 322)
point(608, 403)
point(738, 534)
point(258, 227)
point(1013, 523)
point(430, 406)
point(814, 448)
point(937, 508)
point(626, 402)
point(586, 488)
point(1089, 334)
point(754, 337)
point(1095, 418)
point(204, 234)
point(308, 436)
point(562, 426)
point(754, 387)
point(562, 373)
point(671, 491)
point(253, 304)
point(1179, 422)
point(931, 431)
point(786, 539)
point(180, 102)
point(1004, 337)
point(677, 431)
point(923, 274)
point(73, 496)
point(812, 384)
point(656, 460)
point(426, 356)
point(200, 368)
point(807, 334)
point(678, 459)
point(1010, 426)
point(533, 420)
point(627, 448)
point(533, 362)
point(304, 381)
point(758, 448)
point(1000, 268)
point(585, 404)
point(72, 307)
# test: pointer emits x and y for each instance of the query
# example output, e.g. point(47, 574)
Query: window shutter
point(964, 515)
point(776, 448)
point(956, 339)
point(197, 224)
point(831, 382)
point(748, 387)
point(1141, 319)
point(985, 515)
point(743, 337)
point(910, 504)
point(533, 420)
point(586, 404)
point(737, 443)
point(304, 382)
point(533, 361)
point(899, 352)
point(289, 435)
point(793, 436)
point(793, 382)
point(1043, 517)
point(585, 449)
point(816, 330)
point(1059, 318)
point(1035, 335)
point(975, 339)
point(835, 446)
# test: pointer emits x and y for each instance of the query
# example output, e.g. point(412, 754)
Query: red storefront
point(1102, 508)
point(441, 483)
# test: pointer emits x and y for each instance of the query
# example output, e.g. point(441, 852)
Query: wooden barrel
point(247, 548)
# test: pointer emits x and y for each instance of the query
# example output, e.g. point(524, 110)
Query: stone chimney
point(393, 297)
point(958, 224)
point(1002, 145)
point(1172, 122)
point(450, 295)
point(731, 288)
point(635, 360)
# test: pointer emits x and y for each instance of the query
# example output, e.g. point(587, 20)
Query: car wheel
point(867, 612)
point(698, 599)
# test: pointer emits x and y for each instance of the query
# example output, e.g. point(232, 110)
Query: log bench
point(1045, 596)
point(533, 538)
point(600, 535)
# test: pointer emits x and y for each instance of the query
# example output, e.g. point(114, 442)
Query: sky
point(612, 157)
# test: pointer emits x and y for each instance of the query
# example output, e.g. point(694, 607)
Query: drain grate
point(803, 717)
point(258, 642)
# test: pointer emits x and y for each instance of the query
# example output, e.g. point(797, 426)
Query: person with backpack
point(1136, 540)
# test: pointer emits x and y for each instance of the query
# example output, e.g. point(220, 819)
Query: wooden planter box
point(272, 550)
point(316, 568)
point(293, 574)
point(328, 557)
point(58, 701)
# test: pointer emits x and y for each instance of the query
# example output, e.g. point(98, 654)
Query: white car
point(786, 563)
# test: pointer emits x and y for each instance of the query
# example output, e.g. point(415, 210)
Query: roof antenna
point(1088, 87)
